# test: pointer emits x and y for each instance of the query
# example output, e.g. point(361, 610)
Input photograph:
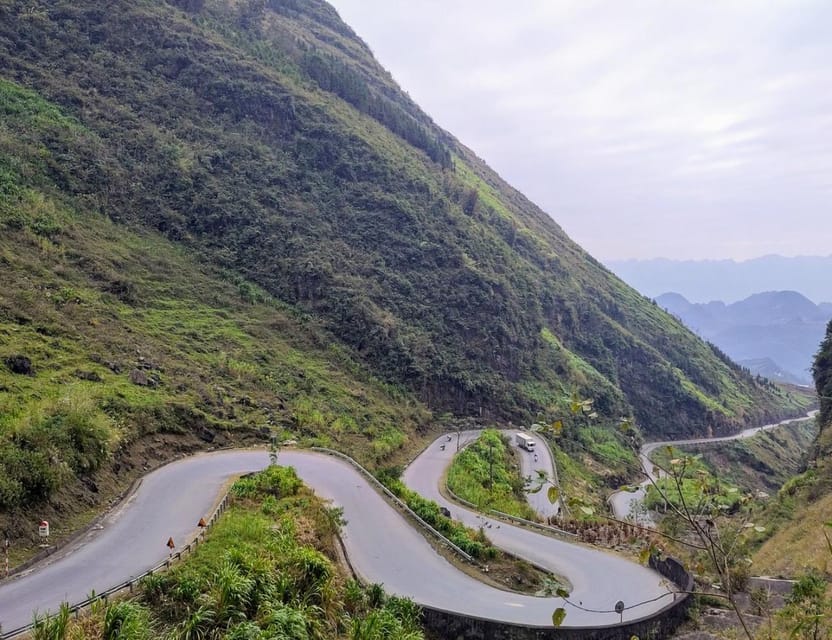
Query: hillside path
point(627, 504)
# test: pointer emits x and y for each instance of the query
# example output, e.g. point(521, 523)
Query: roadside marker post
point(43, 532)
point(6, 546)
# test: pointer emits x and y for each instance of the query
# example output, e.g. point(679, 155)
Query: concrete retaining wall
point(453, 626)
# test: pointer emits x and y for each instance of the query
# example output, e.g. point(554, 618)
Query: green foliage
point(273, 482)
point(264, 137)
point(55, 439)
point(219, 352)
point(126, 620)
point(808, 607)
point(382, 624)
point(258, 576)
point(51, 628)
point(697, 487)
point(607, 446)
point(467, 540)
point(331, 74)
point(822, 373)
point(714, 521)
point(487, 473)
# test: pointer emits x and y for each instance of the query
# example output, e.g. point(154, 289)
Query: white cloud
point(686, 128)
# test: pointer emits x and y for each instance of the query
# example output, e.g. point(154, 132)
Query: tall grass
point(257, 575)
point(487, 473)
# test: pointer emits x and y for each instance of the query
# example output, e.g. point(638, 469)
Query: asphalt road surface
point(382, 546)
point(598, 579)
point(530, 464)
point(627, 504)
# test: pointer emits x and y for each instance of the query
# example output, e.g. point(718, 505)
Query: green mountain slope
point(263, 137)
point(109, 336)
point(805, 502)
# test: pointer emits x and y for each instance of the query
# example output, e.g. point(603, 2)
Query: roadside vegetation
point(474, 543)
point(493, 565)
point(768, 471)
point(592, 455)
point(764, 462)
point(487, 474)
point(714, 529)
point(694, 486)
point(805, 502)
point(266, 570)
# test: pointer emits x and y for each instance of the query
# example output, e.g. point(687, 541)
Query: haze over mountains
point(728, 280)
point(775, 334)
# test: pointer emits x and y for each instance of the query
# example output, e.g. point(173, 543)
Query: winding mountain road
point(382, 545)
point(626, 504)
point(530, 464)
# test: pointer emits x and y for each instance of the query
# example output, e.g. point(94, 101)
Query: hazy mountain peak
point(773, 333)
point(728, 280)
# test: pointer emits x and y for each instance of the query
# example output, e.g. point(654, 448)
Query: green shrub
point(126, 620)
point(486, 473)
point(278, 482)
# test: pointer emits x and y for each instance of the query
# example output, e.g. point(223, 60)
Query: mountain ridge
point(263, 136)
point(773, 332)
point(728, 280)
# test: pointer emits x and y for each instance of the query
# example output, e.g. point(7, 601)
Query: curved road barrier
point(511, 518)
point(398, 502)
point(599, 579)
point(381, 543)
point(656, 626)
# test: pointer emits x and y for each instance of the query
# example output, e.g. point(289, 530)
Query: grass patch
point(698, 487)
point(487, 473)
point(266, 570)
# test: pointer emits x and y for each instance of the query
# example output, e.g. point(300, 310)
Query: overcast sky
point(688, 129)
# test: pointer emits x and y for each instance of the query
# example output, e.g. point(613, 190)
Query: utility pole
point(491, 468)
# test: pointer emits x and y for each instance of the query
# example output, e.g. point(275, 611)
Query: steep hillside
point(783, 326)
point(119, 349)
point(822, 372)
point(262, 136)
point(807, 498)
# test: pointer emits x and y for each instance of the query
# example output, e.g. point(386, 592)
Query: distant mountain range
point(775, 334)
point(704, 280)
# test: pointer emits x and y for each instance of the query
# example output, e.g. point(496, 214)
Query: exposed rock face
point(20, 365)
point(90, 376)
point(139, 377)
